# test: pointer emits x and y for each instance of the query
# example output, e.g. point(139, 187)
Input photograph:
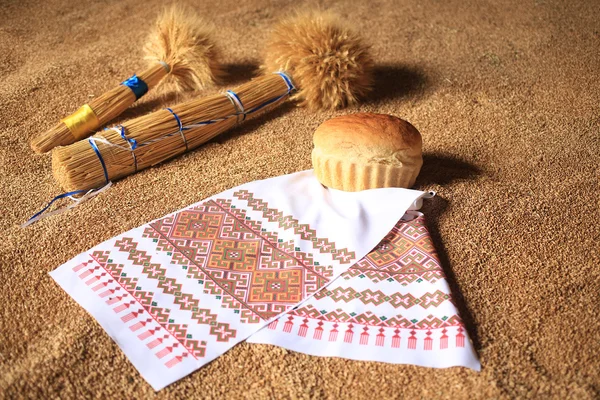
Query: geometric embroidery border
point(151, 331)
point(169, 286)
point(370, 319)
point(343, 256)
point(398, 257)
point(377, 297)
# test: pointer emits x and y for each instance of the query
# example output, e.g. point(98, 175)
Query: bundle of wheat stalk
point(182, 56)
point(314, 53)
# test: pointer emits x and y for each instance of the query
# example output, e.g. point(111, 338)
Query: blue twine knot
point(132, 142)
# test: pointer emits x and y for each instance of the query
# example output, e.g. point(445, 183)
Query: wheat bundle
point(328, 64)
point(182, 55)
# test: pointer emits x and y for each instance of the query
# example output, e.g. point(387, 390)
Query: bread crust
point(364, 151)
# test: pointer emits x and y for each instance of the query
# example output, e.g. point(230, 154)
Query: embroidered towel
point(180, 291)
point(392, 306)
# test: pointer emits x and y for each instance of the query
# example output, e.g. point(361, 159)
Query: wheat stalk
point(180, 48)
point(329, 64)
point(158, 137)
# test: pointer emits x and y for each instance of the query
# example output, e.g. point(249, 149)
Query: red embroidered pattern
point(247, 266)
point(136, 309)
point(406, 256)
point(170, 286)
point(395, 328)
point(231, 257)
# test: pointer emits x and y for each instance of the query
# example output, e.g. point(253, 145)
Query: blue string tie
point(120, 129)
point(180, 125)
point(290, 87)
point(287, 80)
point(92, 142)
point(133, 144)
point(237, 103)
point(60, 196)
point(86, 195)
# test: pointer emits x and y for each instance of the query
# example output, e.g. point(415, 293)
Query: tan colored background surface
point(507, 99)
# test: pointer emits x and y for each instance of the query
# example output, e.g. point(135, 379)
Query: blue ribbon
point(133, 144)
point(93, 144)
point(60, 196)
point(137, 86)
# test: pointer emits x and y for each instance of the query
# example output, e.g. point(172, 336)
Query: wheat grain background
point(506, 95)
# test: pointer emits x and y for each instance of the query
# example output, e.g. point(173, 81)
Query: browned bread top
point(368, 137)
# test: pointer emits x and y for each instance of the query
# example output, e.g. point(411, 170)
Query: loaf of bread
point(365, 151)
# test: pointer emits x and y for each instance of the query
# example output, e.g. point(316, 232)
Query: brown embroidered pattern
point(344, 256)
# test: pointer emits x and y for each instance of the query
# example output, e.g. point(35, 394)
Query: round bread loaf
point(365, 151)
